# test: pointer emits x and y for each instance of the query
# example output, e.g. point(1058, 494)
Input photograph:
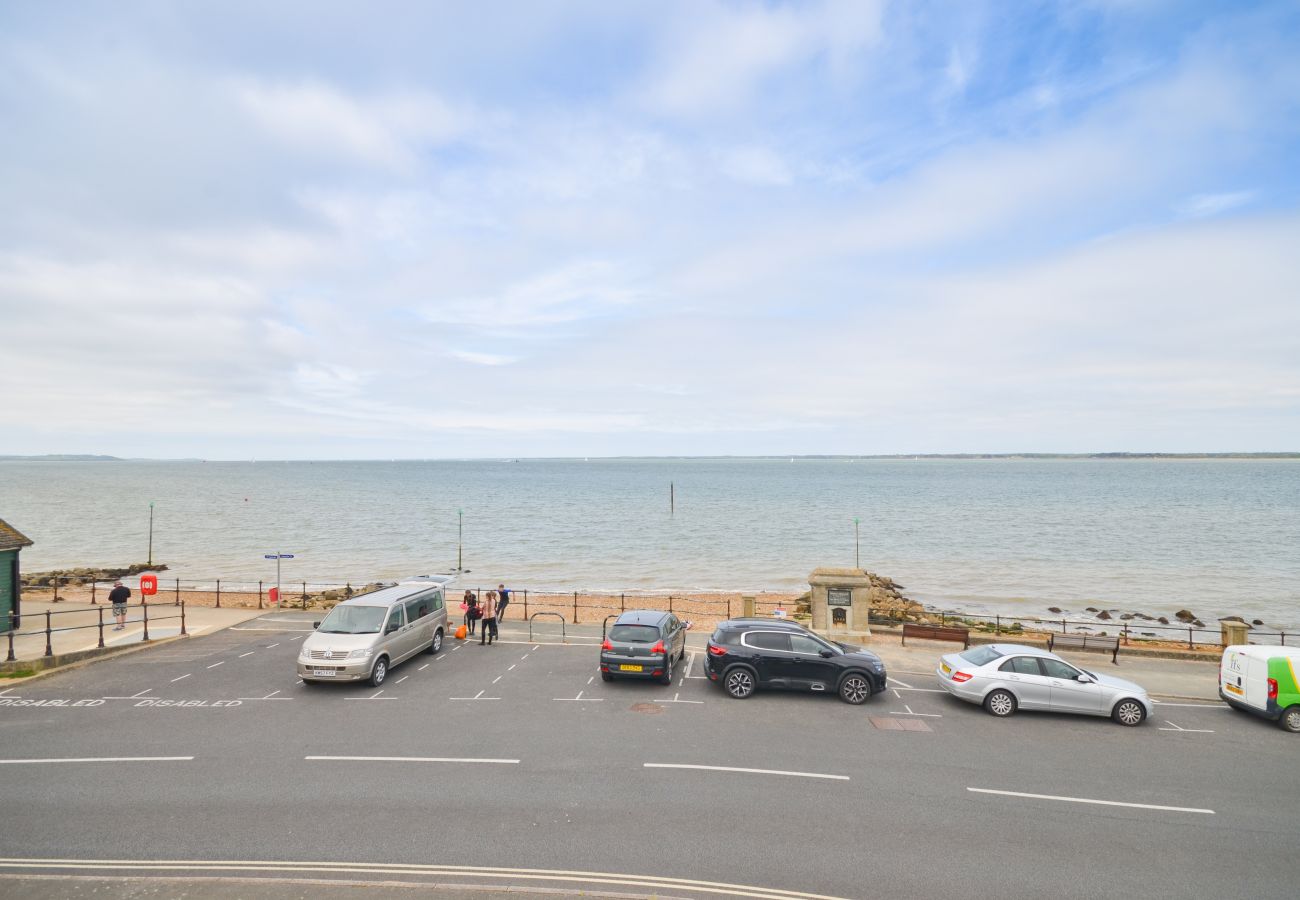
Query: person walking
point(503, 600)
point(489, 632)
point(119, 596)
point(470, 605)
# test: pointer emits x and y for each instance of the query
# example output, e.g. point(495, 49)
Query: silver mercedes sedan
point(1006, 677)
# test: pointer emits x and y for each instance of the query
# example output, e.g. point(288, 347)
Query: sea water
point(984, 535)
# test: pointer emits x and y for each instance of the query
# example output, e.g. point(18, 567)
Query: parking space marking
point(400, 680)
point(582, 698)
point(524, 657)
point(690, 664)
point(1186, 809)
point(1174, 727)
point(132, 697)
point(926, 715)
point(272, 646)
point(423, 667)
point(495, 680)
point(747, 771)
point(591, 679)
point(512, 667)
point(478, 696)
point(214, 665)
point(6, 692)
point(374, 696)
point(174, 680)
point(98, 759)
point(1207, 705)
point(249, 653)
point(922, 690)
point(897, 681)
point(270, 696)
point(440, 759)
point(676, 700)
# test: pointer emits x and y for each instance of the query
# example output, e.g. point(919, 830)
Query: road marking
point(249, 653)
point(591, 679)
point(270, 696)
point(1187, 809)
point(439, 656)
point(923, 690)
point(897, 681)
point(400, 680)
point(214, 665)
point(656, 882)
point(423, 667)
point(132, 697)
point(298, 638)
point(1174, 727)
point(448, 759)
point(524, 657)
point(690, 664)
point(374, 696)
point(299, 681)
point(478, 696)
point(5, 692)
point(1192, 705)
point(174, 680)
point(537, 647)
point(272, 646)
point(512, 668)
point(98, 759)
point(750, 771)
point(495, 680)
point(910, 713)
point(580, 697)
point(675, 700)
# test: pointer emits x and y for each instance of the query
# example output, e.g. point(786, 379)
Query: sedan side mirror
point(1084, 679)
point(315, 624)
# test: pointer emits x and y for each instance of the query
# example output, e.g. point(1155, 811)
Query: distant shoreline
point(1118, 455)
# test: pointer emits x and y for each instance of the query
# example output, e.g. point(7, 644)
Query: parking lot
point(517, 756)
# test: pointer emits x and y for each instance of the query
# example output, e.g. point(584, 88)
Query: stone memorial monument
point(839, 602)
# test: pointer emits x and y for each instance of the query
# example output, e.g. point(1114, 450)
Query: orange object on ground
point(461, 632)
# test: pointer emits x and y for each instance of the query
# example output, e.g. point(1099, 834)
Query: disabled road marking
point(1186, 809)
point(747, 771)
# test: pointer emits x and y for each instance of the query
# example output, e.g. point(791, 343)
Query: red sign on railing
point(148, 585)
point(275, 595)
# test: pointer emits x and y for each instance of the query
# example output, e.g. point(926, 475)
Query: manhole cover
point(647, 708)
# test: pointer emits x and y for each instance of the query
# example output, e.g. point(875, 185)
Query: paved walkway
point(74, 626)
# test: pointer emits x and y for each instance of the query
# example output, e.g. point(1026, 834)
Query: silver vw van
point(362, 638)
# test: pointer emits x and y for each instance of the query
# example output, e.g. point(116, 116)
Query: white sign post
point(279, 598)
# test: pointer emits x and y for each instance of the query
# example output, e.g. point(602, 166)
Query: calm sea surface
point(1215, 536)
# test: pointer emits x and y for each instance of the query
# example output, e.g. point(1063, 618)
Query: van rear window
point(634, 634)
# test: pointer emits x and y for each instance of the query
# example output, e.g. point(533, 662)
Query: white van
point(363, 638)
point(1262, 680)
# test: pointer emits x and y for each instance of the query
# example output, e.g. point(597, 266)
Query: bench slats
point(1100, 643)
point(936, 633)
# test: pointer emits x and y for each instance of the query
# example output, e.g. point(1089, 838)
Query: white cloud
point(1201, 206)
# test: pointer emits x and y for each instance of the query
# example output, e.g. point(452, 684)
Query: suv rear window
point(978, 656)
point(634, 634)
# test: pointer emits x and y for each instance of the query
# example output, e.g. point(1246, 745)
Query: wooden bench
point(936, 633)
point(1097, 642)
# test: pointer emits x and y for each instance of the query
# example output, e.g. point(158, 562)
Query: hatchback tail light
point(1272, 689)
point(606, 645)
point(717, 651)
point(959, 677)
point(658, 648)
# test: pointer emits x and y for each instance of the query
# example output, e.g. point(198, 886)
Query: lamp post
point(150, 562)
point(857, 558)
point(460, 540)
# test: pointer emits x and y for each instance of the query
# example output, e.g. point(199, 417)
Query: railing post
point(144, 608)
point(304, 595)
point(1126, 634)
point(1062, 626)
point(997, 626)
point(178, 593)
point(101, 628)
point(575, 607)
point(259, 594)
point(93, 585)
point(11, 657)
point(57, 598)
point(1190, 645)
point(184, 633)
point(525, 603)
point(622, 602)
point(670, 603)
point(49, 649)
point(943, 618)
point(218, 593)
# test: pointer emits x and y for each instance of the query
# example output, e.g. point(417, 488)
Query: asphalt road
point(514, 766)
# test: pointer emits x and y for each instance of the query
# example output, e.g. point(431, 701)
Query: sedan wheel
point(739, 683)
point(855, 689)
point(1000, 703)
point(1129, 712)
point(1291, 719)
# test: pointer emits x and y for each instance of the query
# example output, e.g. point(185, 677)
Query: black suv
point(745, 654)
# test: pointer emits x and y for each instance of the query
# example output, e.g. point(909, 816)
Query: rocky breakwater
point(80, 576)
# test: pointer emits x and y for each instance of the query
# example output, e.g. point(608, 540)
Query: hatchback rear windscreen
point(634, 634)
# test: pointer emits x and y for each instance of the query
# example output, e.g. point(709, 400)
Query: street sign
point(277, 556)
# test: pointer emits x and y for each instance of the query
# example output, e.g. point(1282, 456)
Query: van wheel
point(379, 672)
point(437, 641)
point(1000, 703)
point(1290, 719)
point(1128, 712)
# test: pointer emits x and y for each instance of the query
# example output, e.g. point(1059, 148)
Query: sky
point(438, 230)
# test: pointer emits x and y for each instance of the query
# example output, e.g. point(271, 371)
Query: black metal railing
point(50, 630)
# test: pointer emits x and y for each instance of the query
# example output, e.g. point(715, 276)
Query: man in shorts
point(119, 596)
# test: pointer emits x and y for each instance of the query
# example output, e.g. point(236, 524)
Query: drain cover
point(647, 708)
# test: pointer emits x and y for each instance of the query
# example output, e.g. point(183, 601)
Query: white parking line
point(909, 712)
point(1206, 705)
point(478, 696)
point(270, 696)
point(749, 771)
point(676, 700)
point(423, 667)
point(922, 690)
point(1174, 727)
point(1187, 809)
point(400, 680)
point(537, 647)
point(512, 667)
point(132, 697)
point(524, 657)
point(495, 680)
point(214, 665)
point(97, 759)
point(272, 646)
point(374, 696)
point(690, 664)
point(249, 653)
point(174, 680)
point(897, 681)
point(582, 698)
point(591, 679)
point(444, 759)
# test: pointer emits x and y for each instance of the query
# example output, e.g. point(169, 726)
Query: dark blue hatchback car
point(642, 643)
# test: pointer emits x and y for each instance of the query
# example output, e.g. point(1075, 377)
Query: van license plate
point(324, 673)
point(630, 668)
